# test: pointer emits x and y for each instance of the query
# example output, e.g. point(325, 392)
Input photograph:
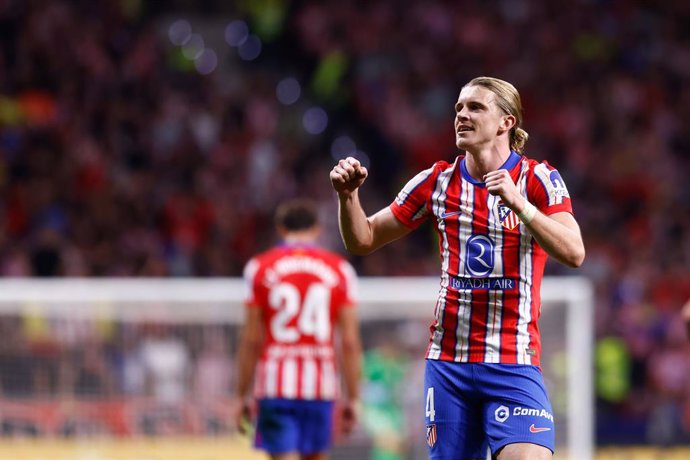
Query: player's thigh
point(316, 427)
point(452, 413)
point(517, 409)
point(524, 451)
point(277, 427)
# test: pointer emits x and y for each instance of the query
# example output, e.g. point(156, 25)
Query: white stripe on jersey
point(462, 333)
point(308, 379)
point(412, 184)
point(271, 378)
point(525, 281)
point(438, 198)
point(289, 379)
point(328, 388)
point(492, 353)
point(525, 315)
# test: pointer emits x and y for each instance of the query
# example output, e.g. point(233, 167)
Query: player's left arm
point(558, 233)
point(351, 361)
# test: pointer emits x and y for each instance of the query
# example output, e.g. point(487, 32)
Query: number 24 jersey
point(300, 290)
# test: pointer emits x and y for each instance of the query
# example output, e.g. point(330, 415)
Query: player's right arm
point(361, 234)
point(248, 351)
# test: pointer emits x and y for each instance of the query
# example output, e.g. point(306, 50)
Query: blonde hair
point(508, 100)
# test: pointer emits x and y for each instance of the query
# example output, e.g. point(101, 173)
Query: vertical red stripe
point(538, 262)
point(480, 297)
point(318, 391)
point(279, 379)
point(511, 299)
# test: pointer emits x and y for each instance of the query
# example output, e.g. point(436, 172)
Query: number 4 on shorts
point(429, 406)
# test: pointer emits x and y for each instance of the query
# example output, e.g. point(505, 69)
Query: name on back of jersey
point(301, 264)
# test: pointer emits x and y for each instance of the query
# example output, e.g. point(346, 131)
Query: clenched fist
point(348, 175)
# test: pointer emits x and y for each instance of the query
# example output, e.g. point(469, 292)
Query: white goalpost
point(49, 311)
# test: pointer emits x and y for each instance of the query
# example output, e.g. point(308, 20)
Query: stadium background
point(154, 139)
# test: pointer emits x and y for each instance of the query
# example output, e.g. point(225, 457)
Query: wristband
point(528, 212)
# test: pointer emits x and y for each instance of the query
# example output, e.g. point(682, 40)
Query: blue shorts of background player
point(470, 407)
point(285, 425)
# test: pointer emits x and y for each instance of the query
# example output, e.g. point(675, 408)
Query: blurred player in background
point(298, 294)
point(498, 214)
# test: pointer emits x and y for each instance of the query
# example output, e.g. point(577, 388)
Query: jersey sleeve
point(547, 190)
point(250, 280)
point(350, 294)
point(412, 204)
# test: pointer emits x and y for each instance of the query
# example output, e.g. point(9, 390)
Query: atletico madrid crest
point(507, 217)
point(431, 434)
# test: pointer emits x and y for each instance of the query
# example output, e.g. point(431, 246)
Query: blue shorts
point(286, 425)
point(470, 407)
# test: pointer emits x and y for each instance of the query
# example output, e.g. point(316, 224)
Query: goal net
point(109, 362)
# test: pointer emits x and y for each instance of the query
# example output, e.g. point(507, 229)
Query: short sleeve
point(249, 275)
point(547, 190)
point(411, 205)
point(350, 282)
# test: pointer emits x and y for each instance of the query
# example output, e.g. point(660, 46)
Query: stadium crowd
point(119, 158)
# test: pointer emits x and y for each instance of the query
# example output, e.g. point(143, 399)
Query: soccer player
point(498, 214)
point(298, 294)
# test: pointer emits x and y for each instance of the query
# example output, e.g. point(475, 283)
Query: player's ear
point(506, 124)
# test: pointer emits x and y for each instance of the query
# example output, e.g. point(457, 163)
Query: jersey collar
point(513, 159)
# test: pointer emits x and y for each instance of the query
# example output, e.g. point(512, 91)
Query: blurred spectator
point(214, 369)
point(15, 355)
point(166, 363)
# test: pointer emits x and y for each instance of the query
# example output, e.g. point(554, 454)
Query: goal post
point(197, 308)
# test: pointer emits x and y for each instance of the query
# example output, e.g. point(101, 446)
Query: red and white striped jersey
point(491, 268)
point(301, 290)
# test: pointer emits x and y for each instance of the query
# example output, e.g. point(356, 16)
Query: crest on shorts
point(431, 434)
point(507, 216)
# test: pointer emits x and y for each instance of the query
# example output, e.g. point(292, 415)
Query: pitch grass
point(227, 448)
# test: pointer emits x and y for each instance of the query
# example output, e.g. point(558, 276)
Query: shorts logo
point(502, 414)
point(431, 434)
point(534, 429)
point(528, 412)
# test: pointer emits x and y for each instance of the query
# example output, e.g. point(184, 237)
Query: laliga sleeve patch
point(558, 186)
